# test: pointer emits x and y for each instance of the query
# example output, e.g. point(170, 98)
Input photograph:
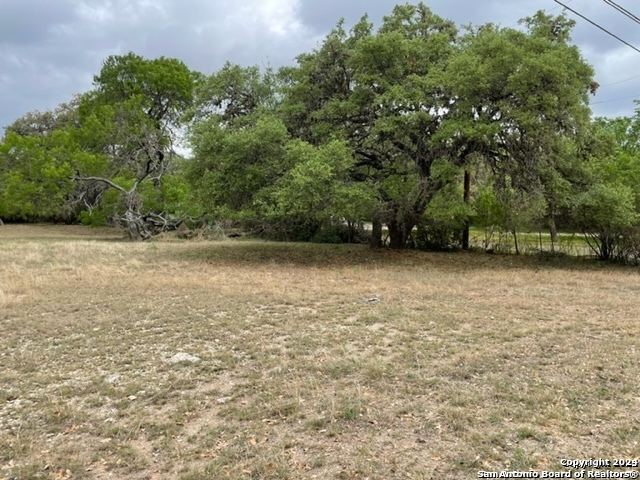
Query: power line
point(546, 10)
point(619, 82)
point(628, 14)
point(598, 26)
point(622, 10)
point(615, 100)
point(555, 8)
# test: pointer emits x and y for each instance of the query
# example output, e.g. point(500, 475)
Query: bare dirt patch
point(314, 361)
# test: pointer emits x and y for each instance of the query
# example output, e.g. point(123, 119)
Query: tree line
point(418, 128)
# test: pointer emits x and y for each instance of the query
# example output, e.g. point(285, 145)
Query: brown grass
point(317, 361)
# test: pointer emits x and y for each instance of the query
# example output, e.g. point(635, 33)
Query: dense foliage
point(376, 126)
point(65, 165)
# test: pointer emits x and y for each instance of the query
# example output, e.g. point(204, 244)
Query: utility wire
point(598, 26)
point(515, 25)
point(555, 8)
point(622, 10)
point(619, 82)
point(614, 100)
point(633, 17)
point(627, 13)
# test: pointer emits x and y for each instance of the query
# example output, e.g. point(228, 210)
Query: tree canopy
point(376, 125)
point(117, 136)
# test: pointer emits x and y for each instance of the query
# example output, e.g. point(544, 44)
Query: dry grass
point(316, 361)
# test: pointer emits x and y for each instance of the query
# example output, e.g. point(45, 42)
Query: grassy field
point(253, 360)
point(571, 244)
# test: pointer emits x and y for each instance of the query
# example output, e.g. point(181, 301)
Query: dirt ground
point(246, 359)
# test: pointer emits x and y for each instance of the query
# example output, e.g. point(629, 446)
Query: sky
point(51, 49)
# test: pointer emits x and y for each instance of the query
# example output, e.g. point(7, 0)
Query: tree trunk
point(136, 226)
point(398, 234)
point(553, 230)
point(376, 234)
point(467, 195)
point(606, 247)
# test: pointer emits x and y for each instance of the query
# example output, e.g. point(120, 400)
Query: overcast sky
point(50, 49)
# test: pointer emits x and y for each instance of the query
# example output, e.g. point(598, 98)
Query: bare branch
point(101, 179)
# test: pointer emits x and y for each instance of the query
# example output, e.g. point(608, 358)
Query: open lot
point(255, 360)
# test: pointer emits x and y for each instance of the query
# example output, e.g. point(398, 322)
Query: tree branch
point(101, 179)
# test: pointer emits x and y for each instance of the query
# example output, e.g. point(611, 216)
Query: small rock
point(223, 400)
point(183, 357)
point(371, 299)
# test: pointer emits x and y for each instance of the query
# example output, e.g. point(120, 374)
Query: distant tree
point(234, 93)
point(38, 154)
point(608, 215)
point(35, 175)
point(231, 166)
point(608, 209)
point(45, 123)
point(54, 165)
point(131, 119)
point(246, 166)
point(520, 107)
point(317, 187)
point(413, 93)
point(383, 93)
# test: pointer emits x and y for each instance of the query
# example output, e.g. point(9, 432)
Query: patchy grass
point(572, 244)
point(316, 361)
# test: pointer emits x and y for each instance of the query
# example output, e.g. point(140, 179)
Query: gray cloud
point(28, 22)
point(320, 17)
point(50, 50)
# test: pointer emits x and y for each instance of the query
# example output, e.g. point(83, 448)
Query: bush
point(435, 234)
point(632, 246)
point(443, 222)
point(94, 218)
point(609, 219)
point(335, 233)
